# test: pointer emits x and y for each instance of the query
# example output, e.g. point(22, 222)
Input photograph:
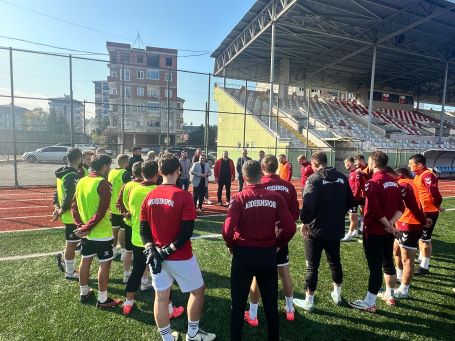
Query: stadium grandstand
point(350, 73)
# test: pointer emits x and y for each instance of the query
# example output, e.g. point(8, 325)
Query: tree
point(57, 124)
point(35, 120)
point(196, 137)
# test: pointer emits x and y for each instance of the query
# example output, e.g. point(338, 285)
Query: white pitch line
point(48, 199)
point(27, 217)
point(47, 254)
point(35, 230)
point(25, 207)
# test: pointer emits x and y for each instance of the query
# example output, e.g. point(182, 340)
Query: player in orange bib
point(431, 200)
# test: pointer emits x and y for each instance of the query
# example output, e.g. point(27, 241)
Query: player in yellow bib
point(90, 210)
point(84, 167)
point(118, 177)
point(63, 196)
point(122, 201)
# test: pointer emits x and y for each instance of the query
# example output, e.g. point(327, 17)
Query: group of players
point(101, 207)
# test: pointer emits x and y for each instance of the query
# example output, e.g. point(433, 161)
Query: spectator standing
point(184, 178)
point(284, 168)
point(201, 172)
point(326, 200)
point(261, 155)
point(151, 156)
point(240, 162)
point(224, 175)
point(137, 156)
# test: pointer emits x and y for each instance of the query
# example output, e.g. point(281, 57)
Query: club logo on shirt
point(428, 181)
point(161, 201)
point(403, 192)
point(106, 253)
point(404, 237)
point(366, 186)
point(260, 203)
point(339, 180)
point(390, 184)
point(277, 188)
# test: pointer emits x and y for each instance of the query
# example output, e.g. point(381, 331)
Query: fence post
point(13, 116)
point(122, 120)
point(205, 128)
point(277, 122)
point(83, 122)
point(168, 113)
point(71, 104)
point(208, 115)
point(244, 113)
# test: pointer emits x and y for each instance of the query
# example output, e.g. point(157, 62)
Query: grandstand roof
point(330, 43)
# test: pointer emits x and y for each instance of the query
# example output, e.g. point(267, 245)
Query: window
point(152, 92)
point(168, 61)
point(113, 91)
point(153, 74)
point(127, 91)
point(170, 93)
point(140, 74)
point(153, 60)
point(140, 59)
point(127, 108)
point(140, 91)
point(140, 107)
point(125, 58)
point(153, 106)
point(114, 74)
point(138, 124)
point(168, 77)
point(113, 59)
point(157, 124)
point(126, 74)
point(114, 107)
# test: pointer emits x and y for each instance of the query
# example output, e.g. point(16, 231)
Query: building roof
point(110, 44)
point(330, 44)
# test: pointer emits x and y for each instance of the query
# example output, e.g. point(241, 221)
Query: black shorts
point(354, 209)
point(69, 234)
point(409, 239)
point(128, 235)
point(117, 221)
point(282, 256)
point(428, 232)
point(102, 249)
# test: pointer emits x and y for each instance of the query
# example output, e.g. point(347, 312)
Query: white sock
point(404, 288)
point(289, 304)
point(399, 273)
point(84, 290)
point(102, 296)
point(310, 298)
point(370, 299)
point(389, 292)
point(337, 290)
point(253, 310)
point(127, 273)
point(69, 266)
point(166, 333)
point(128, 302)
point(144, 280)
point(170, 308)
point(425, 262)
point(123, 251)
point(193, 328)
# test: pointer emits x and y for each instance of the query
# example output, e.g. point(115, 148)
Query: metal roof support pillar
point(441, 115)
point(272, 73)
point(370, 105)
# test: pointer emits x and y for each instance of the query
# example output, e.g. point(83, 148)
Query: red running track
point(31, 208)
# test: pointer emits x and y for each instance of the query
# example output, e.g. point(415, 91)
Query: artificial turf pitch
point(39, 304)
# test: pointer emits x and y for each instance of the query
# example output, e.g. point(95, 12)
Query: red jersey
point(287, 190)
point(383, 199)
point(252, 219)
point(357, 184)
point(306, 172)
point(164, 209)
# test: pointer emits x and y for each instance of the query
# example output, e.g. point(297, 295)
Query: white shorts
point(186, 272)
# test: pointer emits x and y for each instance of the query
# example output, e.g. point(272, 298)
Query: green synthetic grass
point(39, 304)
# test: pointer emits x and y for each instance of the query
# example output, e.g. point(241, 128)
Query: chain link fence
point(50, 102)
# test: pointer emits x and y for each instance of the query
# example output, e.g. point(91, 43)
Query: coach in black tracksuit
point(326, 200)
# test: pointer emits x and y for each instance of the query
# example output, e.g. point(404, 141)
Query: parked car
point(84, 146)
point(52, 154)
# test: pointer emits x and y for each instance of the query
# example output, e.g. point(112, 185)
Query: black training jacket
point(327, 198)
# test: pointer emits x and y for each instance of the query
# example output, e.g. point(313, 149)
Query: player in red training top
point(167, 222)
point(408, 230)
point(250, 233)
point(305, 169)
point(273, 182)
point(357, 185)
point(365, 174)
point(383, 207)
point(431, 200)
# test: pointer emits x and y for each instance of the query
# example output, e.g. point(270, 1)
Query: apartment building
point(140, 82)
point(61, 106)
